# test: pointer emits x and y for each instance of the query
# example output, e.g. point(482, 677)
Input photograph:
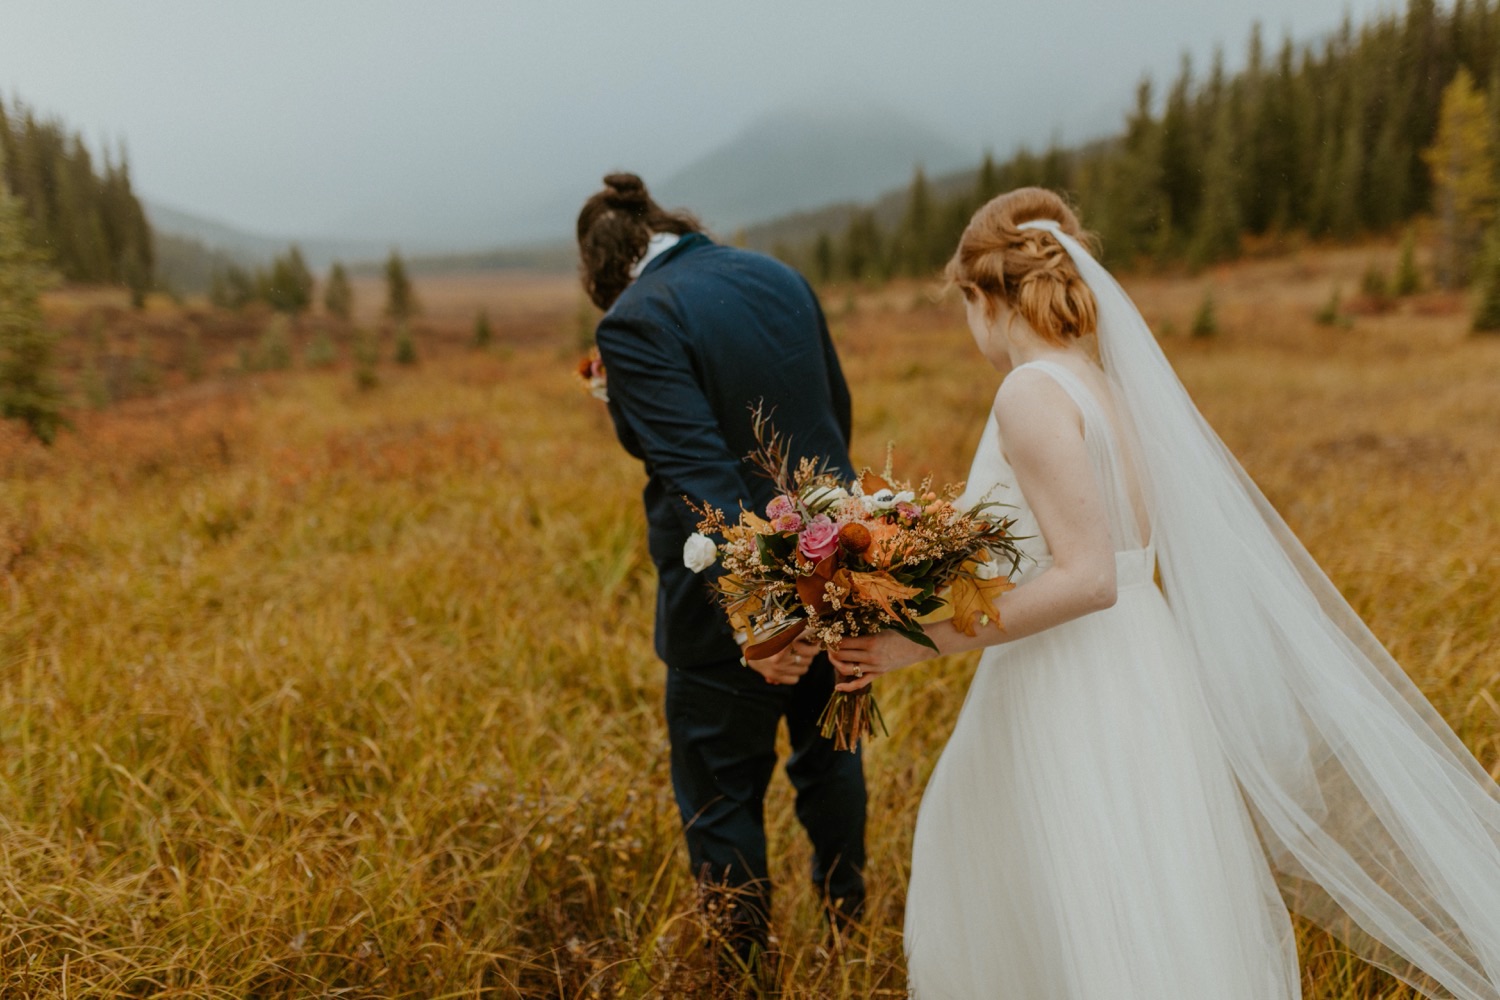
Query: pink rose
point(787, 522)
point(819, 538)
point(781, 507)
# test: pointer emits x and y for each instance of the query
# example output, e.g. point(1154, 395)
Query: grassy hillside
point(308, 690)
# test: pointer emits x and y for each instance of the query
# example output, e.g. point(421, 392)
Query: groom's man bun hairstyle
point(1027, 269)
point(614, 227)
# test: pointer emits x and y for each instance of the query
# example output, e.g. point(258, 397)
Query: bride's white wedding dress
point(1082, 835)
point(1133, 801)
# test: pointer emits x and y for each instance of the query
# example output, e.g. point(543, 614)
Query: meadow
point(308, 689)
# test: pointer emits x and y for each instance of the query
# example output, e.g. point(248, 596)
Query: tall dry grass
point(306, 691)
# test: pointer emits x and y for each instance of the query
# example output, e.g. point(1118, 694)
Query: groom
point(694, 335)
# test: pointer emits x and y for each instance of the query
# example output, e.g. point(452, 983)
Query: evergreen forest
point(83, 216)
point(1332, 139)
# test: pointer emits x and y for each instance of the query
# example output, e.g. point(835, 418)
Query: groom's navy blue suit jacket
point(705, 333)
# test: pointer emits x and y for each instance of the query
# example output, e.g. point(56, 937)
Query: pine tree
point(28, 386)
point(338, 294)
point(366, 356)
point(400, 299)
point(1217, 234)
point(1348, 183)
point(823, 259)
point(1408, 279)
point(1269, 129)
point(1389, 178)
point(864, 249)
point(1205, 320)
point(1487, 308)
point(1181, 160)
point(987, 184)
point(135, 271)
point(1462, 161)
point(912, 249)
point(406, 347)
point(1133, 209)
point(483, 335)
point(289, 286)
point(1332, 313)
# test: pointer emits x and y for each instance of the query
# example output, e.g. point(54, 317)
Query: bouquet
point(591, 373)
point(837, 560)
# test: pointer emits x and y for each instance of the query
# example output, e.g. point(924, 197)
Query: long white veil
point(1379, 824)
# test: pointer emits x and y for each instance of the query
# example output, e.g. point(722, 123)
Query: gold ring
point(859, 672)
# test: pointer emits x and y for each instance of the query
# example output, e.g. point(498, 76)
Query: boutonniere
point(591, 374)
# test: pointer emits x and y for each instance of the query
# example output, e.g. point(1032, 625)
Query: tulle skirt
point(1082, 837)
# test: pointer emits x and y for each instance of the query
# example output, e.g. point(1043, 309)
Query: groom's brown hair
point(614, 227)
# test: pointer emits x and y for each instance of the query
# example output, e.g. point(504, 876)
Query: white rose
point(699, 552)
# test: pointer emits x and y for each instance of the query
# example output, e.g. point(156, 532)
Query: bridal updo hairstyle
point(1027, 269)
point(614, 227)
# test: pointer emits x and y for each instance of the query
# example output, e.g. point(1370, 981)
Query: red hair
point(1027, 269)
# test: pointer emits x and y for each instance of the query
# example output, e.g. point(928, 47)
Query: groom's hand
point(787, 666)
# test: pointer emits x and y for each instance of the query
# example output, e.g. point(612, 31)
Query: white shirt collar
point(660, 244)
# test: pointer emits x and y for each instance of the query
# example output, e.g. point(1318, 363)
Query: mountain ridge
point(789, 162)
point(799, 158)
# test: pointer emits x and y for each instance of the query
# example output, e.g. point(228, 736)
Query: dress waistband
point(1135, 567)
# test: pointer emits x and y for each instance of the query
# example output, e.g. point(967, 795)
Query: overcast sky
point(383, 119)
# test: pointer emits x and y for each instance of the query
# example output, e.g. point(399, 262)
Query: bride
point(1145, 780)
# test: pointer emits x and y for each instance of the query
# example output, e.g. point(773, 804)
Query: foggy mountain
point(784, 162)
point(794, 160)
point(253, 248)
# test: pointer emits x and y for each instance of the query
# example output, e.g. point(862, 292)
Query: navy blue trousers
point(722, 720)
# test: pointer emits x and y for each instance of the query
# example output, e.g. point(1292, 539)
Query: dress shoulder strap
point(1074, 386)
point(1109, 458)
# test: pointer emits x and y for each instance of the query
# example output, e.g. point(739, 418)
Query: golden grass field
point(313, 691)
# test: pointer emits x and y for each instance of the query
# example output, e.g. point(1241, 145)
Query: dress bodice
point(991, 478)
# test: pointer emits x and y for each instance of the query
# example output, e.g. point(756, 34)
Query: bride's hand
point(862, 659)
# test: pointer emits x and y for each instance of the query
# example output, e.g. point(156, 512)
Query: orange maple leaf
point(972, 597)
point(883, 589)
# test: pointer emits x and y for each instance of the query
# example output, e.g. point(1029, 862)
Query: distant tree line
point(287, 285)
point(85, 220)
point(1328, 139)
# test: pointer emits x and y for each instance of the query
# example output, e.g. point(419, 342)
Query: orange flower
point(855, 538)
point(881, 550)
